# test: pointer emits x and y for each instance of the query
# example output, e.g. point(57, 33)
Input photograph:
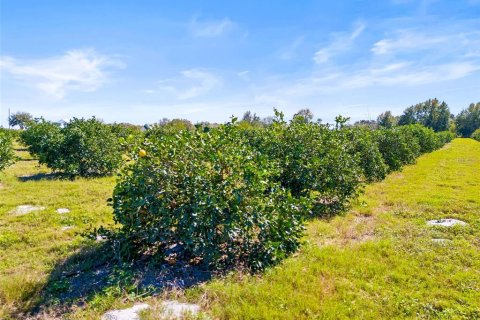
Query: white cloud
point(342, 42)
point(407, 41)
point(399, 74)
point(404, 75)
point(210, 29)
point(289, 51)
point(191, 84)
point(244, 75)
point(435, 41)
point(76, 70)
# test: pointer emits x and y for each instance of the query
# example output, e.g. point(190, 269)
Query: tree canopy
point(468, 120)
point(431, 113)
point(386, 119)
point(20, 119)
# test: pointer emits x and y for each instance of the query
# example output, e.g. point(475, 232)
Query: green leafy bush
point(364, 145)
point(43, 140)
point(89, 147)
point(476, 135)
point(315, 162)
point(426, 137)
point(444, 137)
point(398, 147)
point(83, 147)
point(206, 196)
point(7, 156)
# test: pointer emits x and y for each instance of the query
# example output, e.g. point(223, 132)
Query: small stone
point(25, 209)
point(100, 238)
point(441, 241)
point(177, 310)
point(66, 228)
point(446, 222)
point(126, 314)
point(63, 210)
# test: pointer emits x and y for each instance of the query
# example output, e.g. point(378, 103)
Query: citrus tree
point(6, 150)
point(43, 140)
point(84, 147)
point(315, 162)
point(206, 196)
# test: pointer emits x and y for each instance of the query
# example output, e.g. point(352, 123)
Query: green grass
point(31, 245)
point(378, 261)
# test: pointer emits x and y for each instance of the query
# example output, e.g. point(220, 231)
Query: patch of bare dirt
point(358, 230)
point(25, 209)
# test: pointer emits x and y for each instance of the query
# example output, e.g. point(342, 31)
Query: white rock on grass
point(177, 310)
point(66, 228)
point(132, 313)
point(446, 222)
point(441, 241)
point(63, 210)
point(25, 209)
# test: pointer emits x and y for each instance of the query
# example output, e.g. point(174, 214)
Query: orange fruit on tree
point(142, 153)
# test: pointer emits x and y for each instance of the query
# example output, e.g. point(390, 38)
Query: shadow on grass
point(44, 176)
point(92, 272)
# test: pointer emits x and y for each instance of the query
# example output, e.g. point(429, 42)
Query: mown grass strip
point(379, 260)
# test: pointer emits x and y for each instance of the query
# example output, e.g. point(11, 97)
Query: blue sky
point(143, 60)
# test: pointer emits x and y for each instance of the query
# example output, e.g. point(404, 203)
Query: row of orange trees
point(83, 147)
point(229, 195)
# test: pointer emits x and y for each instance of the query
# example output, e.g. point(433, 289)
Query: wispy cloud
point(244, 75)
point(290, 50)
point(404, 74)
point(191, 84)
point(407, 40)
point(437, 42)
point(210, 28)
point(341, 42)
point(401, 75)
point(76, 70)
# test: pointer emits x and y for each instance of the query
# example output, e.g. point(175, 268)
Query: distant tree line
point(431, 114)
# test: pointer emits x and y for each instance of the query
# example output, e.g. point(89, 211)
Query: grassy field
point(32, 244)
point(378, 261)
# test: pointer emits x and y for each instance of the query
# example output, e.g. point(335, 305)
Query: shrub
point(426, 137)
point(476, 135)
point(43, 140)
point(398, 147)
point(364, 145)
point(89, 147)
point(83, 147)
point(315, 162)
point(205, 195)
point(444, 137)
point(127, 134)
point(7, 156)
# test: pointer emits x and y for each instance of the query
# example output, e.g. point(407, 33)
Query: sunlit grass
point(31, 245)
point(378, 261)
